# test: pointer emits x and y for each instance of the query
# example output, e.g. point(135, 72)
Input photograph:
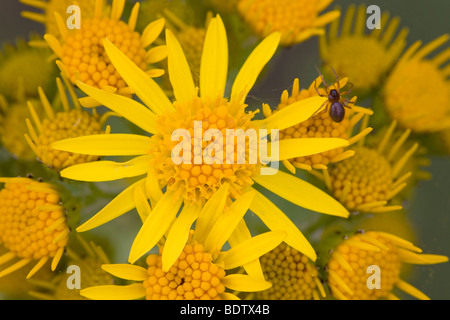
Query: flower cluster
point(158, 113)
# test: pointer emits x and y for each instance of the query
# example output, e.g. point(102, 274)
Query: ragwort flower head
point(348, 264)
point(367, 181)
point(82, 55)
point(292, 274)
point(192, 266)
point(364, 58)
point(321, 125)
point(23, 68)
point(33, 225)
point(56, 125)
point(417, 92)
point(193, 183)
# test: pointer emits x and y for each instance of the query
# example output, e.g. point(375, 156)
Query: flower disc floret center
point(368, 175)
point(209, 167)
point(291, 273)
point(25, 218)
point(417, 95)
point(348, 55)
point(84, 56)
point(359, 260)
point(192, 277)
point(70, 124)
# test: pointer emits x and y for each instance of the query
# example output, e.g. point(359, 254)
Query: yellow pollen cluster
point(292, 275)
point(417, 96)
point(85, 58)
point(32, 223)
point(203, 176)
point(347, 268)
point(364, 178)
point(192, 277)
point(65, 125)
point(289, 17)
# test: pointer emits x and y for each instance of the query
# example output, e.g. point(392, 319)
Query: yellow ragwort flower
point(292, 274)
point(348, 277)
point(367, 181)
point(23, 68)
point(49, 7)
point(66, 123)
point(192, 265)
point(320, 125)
point(194, 182)
point(296, 20)
point(417, 92)
point(82, 55)
point(33, 225)
point(364, 58)
point(88, 257)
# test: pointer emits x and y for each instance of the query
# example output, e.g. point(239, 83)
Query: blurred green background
point(429, 208)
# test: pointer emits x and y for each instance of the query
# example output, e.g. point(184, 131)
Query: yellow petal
point(227, 221)
point(126, 271)
point(240, 234)
point(107, 170)
point(152, 31)
point(244, 283)
point(293, 148)
point(155, 225)
point(252, 248)
point(212, 209)
point(141, 203)
point(252, 67)
point(121, 204)
point(179, 72)
point(178, 235)
point(407, 256)
point(406, 287)
point(214, 62)
point(111, 292)
point(228, 296)
point(152, 187)
point(127, 108)
point(275, 219)
point(156, 54)
point(145, 87)
point(106, 145)
point(292, 114)
point(301, 193)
